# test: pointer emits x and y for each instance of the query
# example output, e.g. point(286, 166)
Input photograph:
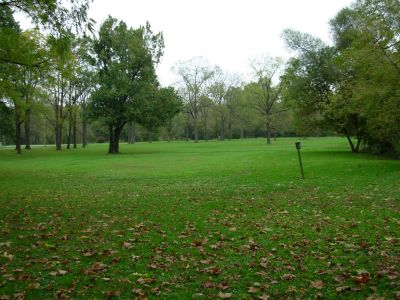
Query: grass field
point(181, 220)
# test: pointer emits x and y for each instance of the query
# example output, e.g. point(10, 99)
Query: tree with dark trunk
point(125, 59)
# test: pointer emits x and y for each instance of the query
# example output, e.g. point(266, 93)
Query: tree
point(160, 106)
point(125, 59)
point(318, 86)
point(219, 89)
point(195, 75)
point(264, 93)
point(50, 13)
point(366, 35)
point(18, 80)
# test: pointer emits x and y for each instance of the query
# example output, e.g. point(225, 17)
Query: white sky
point(225, 32)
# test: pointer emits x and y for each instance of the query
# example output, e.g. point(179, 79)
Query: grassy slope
point(182, 220)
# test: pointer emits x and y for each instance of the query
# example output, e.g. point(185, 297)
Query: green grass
point(183, 220)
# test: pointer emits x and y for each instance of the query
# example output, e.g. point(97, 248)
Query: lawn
point(180, 220)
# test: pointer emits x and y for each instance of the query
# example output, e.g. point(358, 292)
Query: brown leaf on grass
point(342, 288)
point(222, 295)
point(62, 272)
point(288, 277)
point(206, 261)
point(209, 285)
point(7, 255)
point(138, 292)
point(318, 284)
point(127, 245)
point(34, 286)
point(95, 268)
point(264, 297)
point(223, 286)
point(111, 294)
point(88, 253)
point(213, 271)
point(398, 295)
point(253, 290)
point(363, 276)
point(145, 280)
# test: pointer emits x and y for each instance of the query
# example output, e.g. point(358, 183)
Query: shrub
point(100, 139)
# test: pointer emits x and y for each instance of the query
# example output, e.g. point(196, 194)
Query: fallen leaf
point(209, 285)
point(253, 290)
point(362, 277)
point(127, 245)
point(342, 288)
point(34, 286)
point(62, 272)
point(318, 284)
point(288, 277)
point(224, 295)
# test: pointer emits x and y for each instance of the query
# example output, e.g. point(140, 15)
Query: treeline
point(353, 86)
point(64, 87)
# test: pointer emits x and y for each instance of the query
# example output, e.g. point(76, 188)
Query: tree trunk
point(69, 132)
point(28, 129)
point(58, 127)
point(222, 130)
point(74, 131)
point(17, 133)
point(268, 132)
point(205, 131)
point(229, 131)
point(196, 133)
point(150, 137)
point(57, 136)
point(187, 132)
point(241, 133)
point(111, 144)
point(84, 127)
point(132, 133)
point(115, 134)
point(353, 149)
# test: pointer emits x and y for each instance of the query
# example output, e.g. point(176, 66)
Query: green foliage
point(125, 59)
point(351, 87)
point(51, 14)
point(159, 107)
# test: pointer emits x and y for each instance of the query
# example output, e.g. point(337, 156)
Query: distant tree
point(18, 80)
point(195, 75)
point(160, 106)
point(220, 86)
point(205, 104)
point(264, 93)
point(125, 59)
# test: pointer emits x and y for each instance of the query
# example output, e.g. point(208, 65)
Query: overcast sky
point(225, 32)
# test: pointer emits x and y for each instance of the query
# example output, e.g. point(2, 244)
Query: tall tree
point(366, 35)
point(194, 75)
point(265, 92)
point(125, 59)
point(220, 86)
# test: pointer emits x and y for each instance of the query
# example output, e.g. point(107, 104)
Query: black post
point(298, 147)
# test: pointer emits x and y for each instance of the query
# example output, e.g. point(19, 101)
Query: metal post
point(298, 147)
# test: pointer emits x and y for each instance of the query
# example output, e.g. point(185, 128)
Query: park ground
point(180, 220)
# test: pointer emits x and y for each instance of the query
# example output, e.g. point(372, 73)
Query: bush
point(100, 139)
